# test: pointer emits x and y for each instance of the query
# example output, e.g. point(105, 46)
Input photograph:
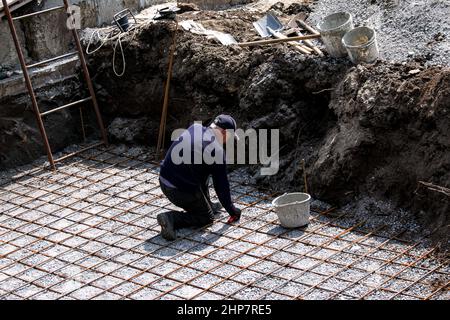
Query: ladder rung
point(66, 106)
point(98, 144)
point(38, 12)
point(51, 60)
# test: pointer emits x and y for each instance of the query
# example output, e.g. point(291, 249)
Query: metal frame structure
point(90, 231)
point(29, 85)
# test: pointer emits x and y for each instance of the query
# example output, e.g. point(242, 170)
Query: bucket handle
point(289, 204)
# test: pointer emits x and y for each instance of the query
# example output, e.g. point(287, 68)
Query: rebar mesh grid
point(89, 231)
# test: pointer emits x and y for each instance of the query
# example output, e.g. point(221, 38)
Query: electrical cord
point(112, 34)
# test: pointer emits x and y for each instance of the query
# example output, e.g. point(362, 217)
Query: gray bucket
point(361, 44)
point(293, 209)
point(333, 28)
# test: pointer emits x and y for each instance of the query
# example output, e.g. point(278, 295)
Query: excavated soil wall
point(367, 131)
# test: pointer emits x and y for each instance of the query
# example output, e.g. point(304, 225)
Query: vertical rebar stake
point(304, 175)
point(162, 127)
point(82, 124)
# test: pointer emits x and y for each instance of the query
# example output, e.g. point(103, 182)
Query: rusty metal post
point(162, 128)
point(87, 78)
point(29, 85)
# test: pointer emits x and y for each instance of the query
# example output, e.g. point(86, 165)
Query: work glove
point(236, 216)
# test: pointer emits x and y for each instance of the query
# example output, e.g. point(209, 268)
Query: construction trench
point(375, 140)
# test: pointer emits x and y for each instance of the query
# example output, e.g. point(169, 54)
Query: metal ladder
point(25, 68)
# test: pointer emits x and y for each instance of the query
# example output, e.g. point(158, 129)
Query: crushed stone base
point(89, 231)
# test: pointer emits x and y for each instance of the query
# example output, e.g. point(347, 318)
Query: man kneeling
point(186, 184)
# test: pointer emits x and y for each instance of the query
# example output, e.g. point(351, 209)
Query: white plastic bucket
point(293, 209)
point(333, 28)
point(361, 44)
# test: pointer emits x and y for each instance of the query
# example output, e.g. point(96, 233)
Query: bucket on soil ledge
point(333, 28)
point(361, 44)
point(293, 209)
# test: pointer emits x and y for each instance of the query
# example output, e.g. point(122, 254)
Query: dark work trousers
point(197, 205)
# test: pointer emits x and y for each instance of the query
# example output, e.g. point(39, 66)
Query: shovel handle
point(272, 41)
point(303, 24)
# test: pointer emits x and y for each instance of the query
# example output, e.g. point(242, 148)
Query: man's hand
point(236, 216)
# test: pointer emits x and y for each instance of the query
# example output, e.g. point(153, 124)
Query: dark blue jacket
point(189, 177)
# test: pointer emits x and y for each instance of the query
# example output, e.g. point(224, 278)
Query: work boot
point(167, 230)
